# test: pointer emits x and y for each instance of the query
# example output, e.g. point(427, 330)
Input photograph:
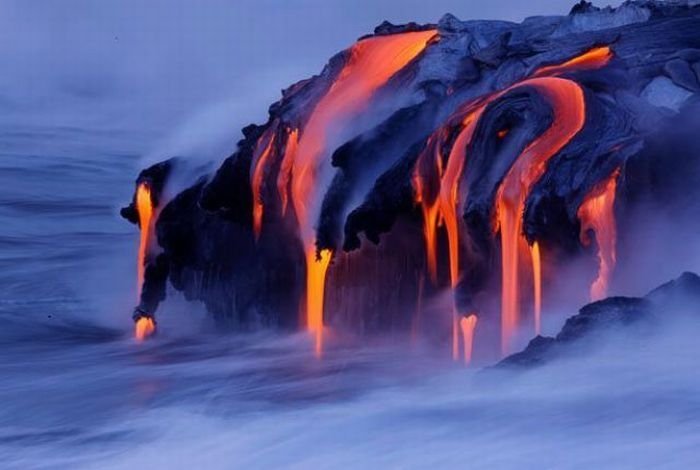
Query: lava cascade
point(144, 205)
point(468, 325)
point(144, 326)
point(597, 215)
point(370, 64)
point(568, 104)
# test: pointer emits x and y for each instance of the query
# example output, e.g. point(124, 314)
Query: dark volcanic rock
point(677, 297)
point(366, 188)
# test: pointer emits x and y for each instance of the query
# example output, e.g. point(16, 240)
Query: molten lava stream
point(285, 172)
point(597, 214)
point(449, 198)
point(568, 105)
point(257, 178)
point(315, 288)
point(595, 58)
point(371, 63)
point(426, 181)
point(537, 284)
point(468, 326)
point(144, 206)
point(144, 326)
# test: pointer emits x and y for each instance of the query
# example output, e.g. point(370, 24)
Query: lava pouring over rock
point(436, 180)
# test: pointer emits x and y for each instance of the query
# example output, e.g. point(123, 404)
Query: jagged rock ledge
point(671, 300)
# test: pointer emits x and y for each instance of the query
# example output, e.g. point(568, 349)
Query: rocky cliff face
point(462, 156)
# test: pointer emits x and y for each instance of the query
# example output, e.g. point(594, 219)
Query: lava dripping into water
point(144, 206)
point(144, 326)
point(568, 106)
point(597, 214)
point(370, 64)
point(510, 202)
point(468, 326)
point(317, 266)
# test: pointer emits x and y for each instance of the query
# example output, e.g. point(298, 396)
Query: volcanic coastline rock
point(638, 69)
point(677, 298)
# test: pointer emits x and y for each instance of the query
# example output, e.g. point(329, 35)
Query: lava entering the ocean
point(144, 205)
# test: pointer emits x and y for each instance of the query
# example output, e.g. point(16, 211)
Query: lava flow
point(537, 282)
point(258, 175)
point(593, 59)
point(468, 325)
point(144, 326)
point(145, 211)
point(568, 105)
point(597, 214)
point(371, 62)
point(285, 172)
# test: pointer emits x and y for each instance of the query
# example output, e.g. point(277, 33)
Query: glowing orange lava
point(370, 64)
point(257, 178)
point(568, 105)
point(426, 179)
point(285, 173)
point(144, 206)
point(144, 328)
point(597, 214)
point(468, 325)
point(315, 288)
point(593, 59)
point(537, 284)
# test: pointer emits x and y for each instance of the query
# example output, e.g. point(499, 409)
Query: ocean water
point(76, 391)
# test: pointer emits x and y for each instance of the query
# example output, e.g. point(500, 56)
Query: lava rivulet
point(285, 172)
point(144, 206)
point(597, 214)
point(568, 105)
point(537, 283)
point(264, 150)
point(468, 325)
point(317, 266)
point(371, 63)
point(592, 59)
point(426, 182)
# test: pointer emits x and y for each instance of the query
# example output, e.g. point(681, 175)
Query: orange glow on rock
point(468, 325)
point(597, 214)
point(144, 206)
point(592, 59)
point(257, 178)
point(316, 267)
point(568, 105)
point(371, 62)
point(144, 328)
